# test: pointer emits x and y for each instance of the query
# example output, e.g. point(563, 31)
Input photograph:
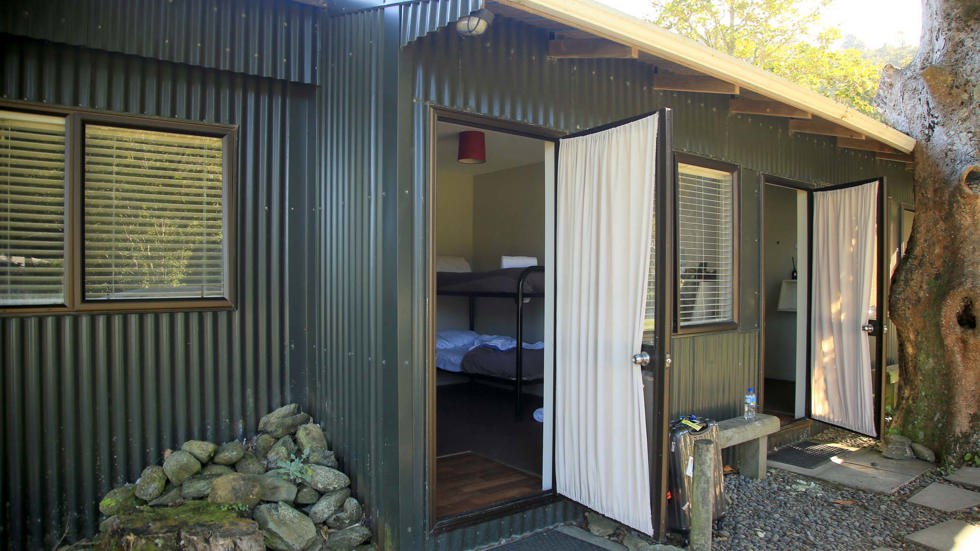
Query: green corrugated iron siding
point(268, 38)
point(506, 74)
point(89, 400)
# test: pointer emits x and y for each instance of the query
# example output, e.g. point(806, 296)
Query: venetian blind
point(32, 209)
point(704, 245)
point(152, 215)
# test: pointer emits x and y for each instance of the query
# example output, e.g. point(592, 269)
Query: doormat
point(549, 540)
point(805, 454)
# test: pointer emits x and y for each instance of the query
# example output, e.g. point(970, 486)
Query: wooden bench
point(750, 439)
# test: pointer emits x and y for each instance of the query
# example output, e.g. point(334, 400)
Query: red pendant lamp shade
point(472, 147)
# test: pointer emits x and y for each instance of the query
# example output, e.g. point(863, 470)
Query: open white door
point(605, 217)
point(844, 284)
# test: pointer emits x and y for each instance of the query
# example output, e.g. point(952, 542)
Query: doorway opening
point(785, 272)
point(490, 242)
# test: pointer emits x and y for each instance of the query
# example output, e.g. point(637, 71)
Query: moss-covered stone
point(283, 450)
point(151, 483)
point(263, 443)
point(166, 527)
point(202, 450)
point(212, 469)
point(229, 453)
point(249, 464)
point(119, 500)
point(180, 466)
point(236, 489)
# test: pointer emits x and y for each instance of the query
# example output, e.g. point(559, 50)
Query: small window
point(104, 212)
point(153, 215)
point(32, 209)
point(706, 252)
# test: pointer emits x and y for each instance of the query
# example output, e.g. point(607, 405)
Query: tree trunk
point(935, 295)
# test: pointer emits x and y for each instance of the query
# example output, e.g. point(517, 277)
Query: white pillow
point(452, 264)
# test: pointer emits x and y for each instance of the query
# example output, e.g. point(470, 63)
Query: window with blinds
point(705, 245)
point(32, 209)
point(152, 209)
point(109, 212)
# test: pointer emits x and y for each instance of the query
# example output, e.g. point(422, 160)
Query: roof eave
point(614, 25)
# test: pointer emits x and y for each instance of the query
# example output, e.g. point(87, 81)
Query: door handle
point(872, 328)
point(642, 359)
point(868, 328)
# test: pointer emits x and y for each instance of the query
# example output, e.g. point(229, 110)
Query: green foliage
point(778, 35)
point(971, 459)
point(295, 469)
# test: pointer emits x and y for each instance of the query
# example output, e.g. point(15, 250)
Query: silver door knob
point(641, 359)
point(868, 328)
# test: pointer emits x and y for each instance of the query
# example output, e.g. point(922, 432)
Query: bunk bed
point(518, 284)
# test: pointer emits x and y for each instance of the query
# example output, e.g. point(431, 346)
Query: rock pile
point(285, 479)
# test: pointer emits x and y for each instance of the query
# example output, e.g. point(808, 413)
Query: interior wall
point(508, 215)
point(780, 245)
point(454, 215)
point(508, 220)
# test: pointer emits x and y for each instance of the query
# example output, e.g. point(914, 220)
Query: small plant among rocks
point(295, 468)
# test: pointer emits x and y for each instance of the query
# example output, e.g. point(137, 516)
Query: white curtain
point(844, 246)
point(605, 219)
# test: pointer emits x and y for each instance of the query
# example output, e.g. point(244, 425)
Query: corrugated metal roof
point(255, 37)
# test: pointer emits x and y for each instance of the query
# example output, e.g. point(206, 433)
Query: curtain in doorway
point(605, 206)
point(844, 244)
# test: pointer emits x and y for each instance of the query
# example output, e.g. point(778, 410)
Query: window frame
point(74, 239)
point(735, 171)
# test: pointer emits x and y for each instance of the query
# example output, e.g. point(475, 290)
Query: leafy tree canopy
point(783, 36)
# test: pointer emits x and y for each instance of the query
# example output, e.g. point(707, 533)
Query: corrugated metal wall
point(354, 381)
point(89, 400)
point(506, 74)
point(268, 38)
point(711, 372)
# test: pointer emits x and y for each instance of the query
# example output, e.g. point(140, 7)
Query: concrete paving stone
point(585, 535)
point(873, 458)
point(945, 497)
point(967, 476)
point(952, 535)
point(862, 477)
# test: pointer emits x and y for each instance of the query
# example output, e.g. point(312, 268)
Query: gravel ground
point(790, 511)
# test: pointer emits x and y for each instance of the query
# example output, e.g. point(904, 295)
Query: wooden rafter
point(822, 128)
point(693, 83)
point(900, 157)
point(866, 145)
point(590, 48)
point(767, 108)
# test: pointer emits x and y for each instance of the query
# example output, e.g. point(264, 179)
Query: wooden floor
point(469, 482)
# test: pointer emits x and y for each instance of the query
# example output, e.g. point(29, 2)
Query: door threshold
point(797, 430)
point(502, 509)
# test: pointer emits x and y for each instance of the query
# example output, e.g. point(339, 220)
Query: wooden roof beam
point(881, 151)
point(822, 128)
point(693, 83)
point(590, 48)
point(766, 108)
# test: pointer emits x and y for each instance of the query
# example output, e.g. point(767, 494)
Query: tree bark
point(935, 296)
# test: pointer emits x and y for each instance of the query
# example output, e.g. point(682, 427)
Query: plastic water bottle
point(750, 404)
